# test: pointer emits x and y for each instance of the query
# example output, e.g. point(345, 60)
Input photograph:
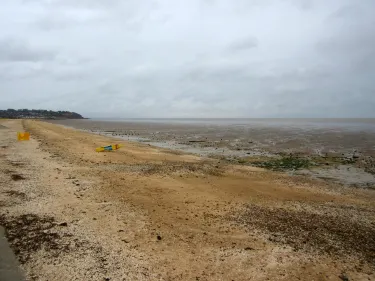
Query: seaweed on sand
point(285, 163)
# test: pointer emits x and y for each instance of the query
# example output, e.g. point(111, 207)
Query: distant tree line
point(38, 114)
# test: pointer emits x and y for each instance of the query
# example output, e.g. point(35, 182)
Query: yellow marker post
point(23, 136)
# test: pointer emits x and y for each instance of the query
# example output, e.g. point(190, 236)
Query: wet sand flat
point(340, 150)
point(246, 135)
point(150, 213)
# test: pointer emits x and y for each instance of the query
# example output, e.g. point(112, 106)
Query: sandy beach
point(148, 212)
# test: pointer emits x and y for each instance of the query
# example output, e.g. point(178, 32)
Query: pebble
point(343, 277)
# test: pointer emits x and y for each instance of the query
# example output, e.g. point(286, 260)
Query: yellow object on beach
point(108, 148)
point(23, 136)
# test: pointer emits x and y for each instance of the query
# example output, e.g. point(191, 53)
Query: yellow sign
point(108, 148)
point(23, 136)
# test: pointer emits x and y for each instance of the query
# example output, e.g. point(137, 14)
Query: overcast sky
point(189, 58)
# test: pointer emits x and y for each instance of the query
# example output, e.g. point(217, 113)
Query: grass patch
point(283, 164)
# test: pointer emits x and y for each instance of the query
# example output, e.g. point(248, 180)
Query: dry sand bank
point(146, 213)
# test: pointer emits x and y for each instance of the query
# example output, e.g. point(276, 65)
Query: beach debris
point(17, 177)
point(108, 147)
point(23, 136)
point(197, 141)
point(344, 277)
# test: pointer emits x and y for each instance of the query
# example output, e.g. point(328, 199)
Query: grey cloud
point(131, 14)
point(243, 6)
point(75, 3)
point(18, 71)
point(209, 2)
point(303, 4)
point(358, 43)
point(243, 44)
point(71, 74)
point(202, 58)
point(351, 40)
point(56, 20)
point(351, 12)
point(18, 51)
point(60, 68)
point(51, 23)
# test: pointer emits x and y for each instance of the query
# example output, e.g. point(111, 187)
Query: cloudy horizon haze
point(198, 58)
